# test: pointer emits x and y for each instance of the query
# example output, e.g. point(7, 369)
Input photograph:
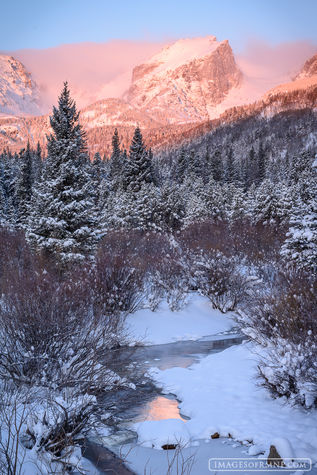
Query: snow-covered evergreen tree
point(181, 166)
point(37, 164)
point(138, 168)
point(194, 165)
point(229, 170)
point(248, 165)
point(300, 165)
point(215, 200)
point(23, 187)
point(196, 204)
point(97, 174)
point(261, 165)
point(266, 205)
point(116, 163)
point(172, 207)
point(146, 208)
point(234, 202)
point(300, 246)
point(7, 185)
point(216, 165)
point(63, 221)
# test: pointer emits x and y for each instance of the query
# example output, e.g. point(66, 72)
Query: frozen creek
point(156, 406)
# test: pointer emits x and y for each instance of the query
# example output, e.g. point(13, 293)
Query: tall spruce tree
point(7, 185)
point(63, 221)
point(172, 209)
point(23, 187)
point(138, 167)
point(116, 163)
point(97, 171)
point(37, 163)
point(300, 246)
point(98, 174)
point(229, 171)
point(261, 164)
point(181, 166)
point(216, 166)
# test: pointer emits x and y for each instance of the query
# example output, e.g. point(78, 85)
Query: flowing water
point(150, 404)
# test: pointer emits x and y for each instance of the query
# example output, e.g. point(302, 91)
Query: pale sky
point(94, 44)
point(45, 23)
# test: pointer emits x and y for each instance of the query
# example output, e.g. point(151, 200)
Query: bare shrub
point(217, 277)
point(15, 254)
point(179, 462)
point(166, 277)
point(283, 321)
point(256, 243)
point(49, 336)
point(57, 341)
point(168, 281)
point(12, 418)
point(117, 284)
point(206, 236)
point(148, 260)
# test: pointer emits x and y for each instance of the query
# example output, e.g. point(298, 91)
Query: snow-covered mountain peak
point(185, 80)
point(18, 92)
point(183, 51)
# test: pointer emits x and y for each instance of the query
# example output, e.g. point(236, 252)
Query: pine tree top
point(64, 121)
point(137, 144)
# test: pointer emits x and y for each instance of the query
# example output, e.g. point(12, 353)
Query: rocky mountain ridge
point(178, 94)
point(19, 94)
point(185, 79)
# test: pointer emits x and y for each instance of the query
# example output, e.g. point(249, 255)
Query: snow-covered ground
point(196, 320)
point(220, 394)
point(144, 460)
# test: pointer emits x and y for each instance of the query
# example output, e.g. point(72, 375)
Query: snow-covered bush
point(117, 283)
point(166, 277)
point(49, 336)
point(12, 419)
point(289, 369)
point(41, 435)
point(217, 277)
point(56, 342)
point(59, 421)
point(283, 322)
point(168, 282)
point(140, 266)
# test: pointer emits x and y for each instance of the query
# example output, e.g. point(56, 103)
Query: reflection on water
point(162, 407)
point(147, 403)
point(182, 354)
point(171, 361)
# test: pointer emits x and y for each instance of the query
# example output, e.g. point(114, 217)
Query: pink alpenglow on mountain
point(18, 92)
point(187, 78)
point(304, 80)
point(309, 69)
